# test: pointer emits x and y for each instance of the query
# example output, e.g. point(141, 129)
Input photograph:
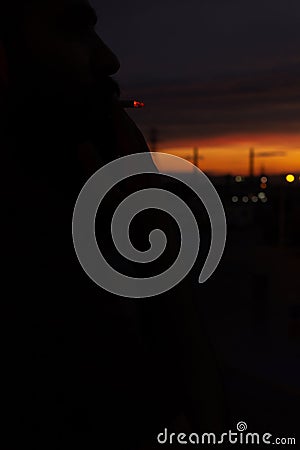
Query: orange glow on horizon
point(274, 153)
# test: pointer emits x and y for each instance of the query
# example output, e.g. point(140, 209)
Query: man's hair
point(11, 16)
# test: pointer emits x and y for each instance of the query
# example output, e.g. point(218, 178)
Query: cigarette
point(132, 104)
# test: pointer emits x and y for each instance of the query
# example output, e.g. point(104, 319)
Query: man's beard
point(72, 111)
point(45, 126)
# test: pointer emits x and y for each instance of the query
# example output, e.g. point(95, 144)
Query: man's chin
point(76, 114)
point(79, 127)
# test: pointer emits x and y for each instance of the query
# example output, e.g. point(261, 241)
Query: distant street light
point(290, 178)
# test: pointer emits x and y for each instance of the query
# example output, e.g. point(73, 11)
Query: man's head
point(55, 58)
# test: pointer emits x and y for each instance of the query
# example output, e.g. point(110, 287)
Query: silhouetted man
point(83, 367)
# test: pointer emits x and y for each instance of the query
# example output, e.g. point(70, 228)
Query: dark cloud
point(270, 154)
point(174, 39)
point(258, 103)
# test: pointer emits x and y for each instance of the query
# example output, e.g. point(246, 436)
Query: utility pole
point(251, 163)
point(196, 156)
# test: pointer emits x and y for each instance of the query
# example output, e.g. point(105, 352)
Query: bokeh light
point(290, 178)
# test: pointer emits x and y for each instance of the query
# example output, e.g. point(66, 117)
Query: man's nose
point(104, 61)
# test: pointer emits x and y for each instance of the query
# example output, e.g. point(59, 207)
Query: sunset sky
point(223, 76)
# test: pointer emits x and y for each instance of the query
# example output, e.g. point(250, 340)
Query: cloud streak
point(263, 102)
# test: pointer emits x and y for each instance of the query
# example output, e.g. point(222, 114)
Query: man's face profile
point(57, 57)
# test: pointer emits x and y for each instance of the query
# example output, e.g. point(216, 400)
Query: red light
point(138, 104)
